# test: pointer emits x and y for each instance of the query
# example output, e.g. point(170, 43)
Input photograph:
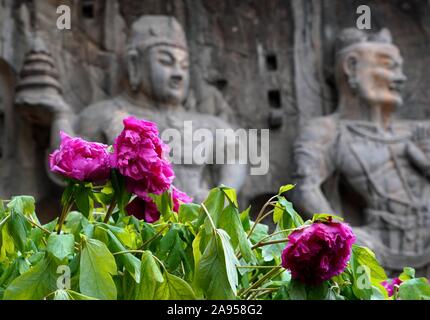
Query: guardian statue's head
point(369, 67)
point(157, 59)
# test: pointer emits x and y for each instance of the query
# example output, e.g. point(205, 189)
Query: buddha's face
point(168, 75)
point(379, 75)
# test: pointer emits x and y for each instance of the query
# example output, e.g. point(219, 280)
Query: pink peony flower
point(143, 208)
point(318, 252)
point(81, 160)
point(389, 285)
point(140, 156)
point(179, 198)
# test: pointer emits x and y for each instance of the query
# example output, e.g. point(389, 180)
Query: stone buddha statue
point(363, 151)
point(155, 88)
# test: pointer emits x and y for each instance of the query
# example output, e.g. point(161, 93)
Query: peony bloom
point(140, 156)
point(179, 198)
point(143, 208)
point(318, 252)
point(81, 160)
point(389, 285)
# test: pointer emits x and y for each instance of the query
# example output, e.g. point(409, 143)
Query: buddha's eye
point(165, 61)
point(390, 64)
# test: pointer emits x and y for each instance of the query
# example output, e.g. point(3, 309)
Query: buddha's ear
point(350, 66)
point(133, 68)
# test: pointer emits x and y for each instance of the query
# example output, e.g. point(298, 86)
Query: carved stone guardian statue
point(383, 162)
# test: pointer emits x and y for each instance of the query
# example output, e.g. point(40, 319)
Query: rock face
point(257, 64)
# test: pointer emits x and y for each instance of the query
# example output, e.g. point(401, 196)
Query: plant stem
point(259, 215)
point(262, 279)
point(209, 216)
point(4, 220)
point(128, 251)
point(155, 236)
point(64, 213)
point(275, 233)
point(262, 244)
point(110, 210)
point(37, 225)
point(255, 267)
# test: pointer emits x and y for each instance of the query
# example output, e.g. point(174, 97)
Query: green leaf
point(408, 273)
point(7, 246)
point(297, 290)
point(244, 218)
point(130, 262)
point(366, 271)
point(415, 289)
point(285, 188)
point(70, 295)
point(230, 193)
point(61, 246)
point(285, 215)
point(216, 272)
point(96, 269)
point(35, 284)
point(18, 228)
point(151, 277)
point(83, 200)
point(230, 222)
point(214, 203)
point(121, 194)
point(24, 205)
point(324, 217)
point(170, 249)
point(188, 212)
point(174, 288)
point(164, 204)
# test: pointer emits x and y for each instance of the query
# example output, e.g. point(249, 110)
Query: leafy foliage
point(205, 251)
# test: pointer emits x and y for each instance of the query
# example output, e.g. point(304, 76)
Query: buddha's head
point(157, 59)
point(369, 67)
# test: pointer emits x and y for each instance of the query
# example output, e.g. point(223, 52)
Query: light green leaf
point(24, 205)
point(230, 222)
point(188, 212)
point(70, 295)
point(408, 273)
point(325, 217)
point(230, 193)
point(285, 215)
point(151, 277)
point(285, 188)
point(61, 245)
point(174, 288)
point(96, 269)
point(214, 203)
point(130, 262)
point(415, 289)
point(216, 273)
point(35, 284)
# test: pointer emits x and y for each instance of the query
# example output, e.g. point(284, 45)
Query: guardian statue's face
point(168, 76)
point(379, 75)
